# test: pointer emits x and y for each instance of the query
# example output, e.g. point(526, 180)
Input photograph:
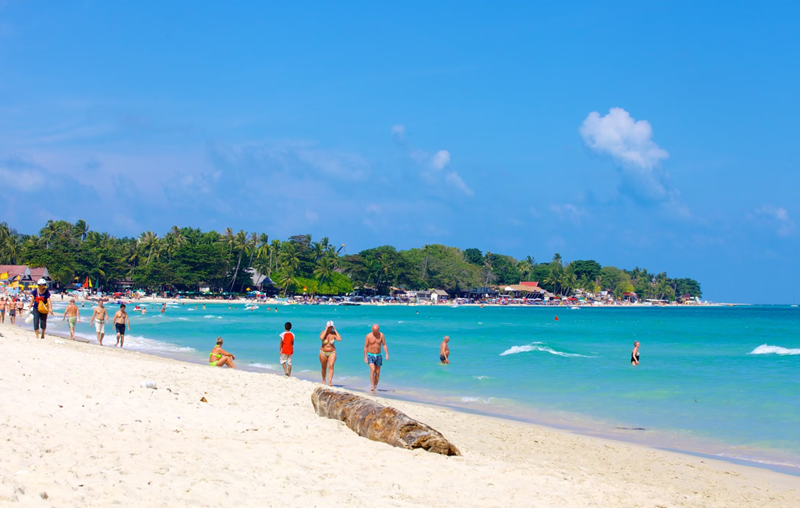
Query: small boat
point(574, 307)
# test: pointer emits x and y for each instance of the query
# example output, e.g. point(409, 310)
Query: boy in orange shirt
point(287, 349)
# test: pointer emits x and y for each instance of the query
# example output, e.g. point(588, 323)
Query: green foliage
point(474, 256)
point(590, 269)
point(186, 258)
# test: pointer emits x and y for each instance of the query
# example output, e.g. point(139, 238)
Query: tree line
point(188, 258)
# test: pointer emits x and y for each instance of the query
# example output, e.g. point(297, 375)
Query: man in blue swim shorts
point(373, 356)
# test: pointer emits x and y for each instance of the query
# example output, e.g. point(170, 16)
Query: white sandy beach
point(77, 426)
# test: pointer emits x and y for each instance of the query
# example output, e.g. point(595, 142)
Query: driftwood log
point(379, 423)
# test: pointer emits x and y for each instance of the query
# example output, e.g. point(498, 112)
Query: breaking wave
point(765, 349)
point(484, 400)
point(535, 347)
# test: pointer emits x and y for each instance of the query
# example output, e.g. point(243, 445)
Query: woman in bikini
point(635, 354)
point(327, 353)
point(219, 357)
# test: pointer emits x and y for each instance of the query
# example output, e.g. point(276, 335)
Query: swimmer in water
point(635, 354)
point(444, 350)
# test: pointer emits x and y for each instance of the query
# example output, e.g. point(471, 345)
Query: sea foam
point(484, 400)
point(263, 366)
point(765, 349)
point(534, 347)
point(139, 343)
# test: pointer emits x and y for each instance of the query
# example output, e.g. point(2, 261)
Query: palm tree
point(324, 270)
point(148, 242)
point(228, 239)
point(525, 269)
point(568, 280)
point(286, 280)
point(79, 230)
point(48, 232)
point(252, 247)
point(554, 276)
point(240, 243)
point(132, 257)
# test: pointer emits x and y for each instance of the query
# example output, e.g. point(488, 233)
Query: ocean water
point(722, 381)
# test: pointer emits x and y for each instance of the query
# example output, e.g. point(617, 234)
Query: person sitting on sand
point(219, 357)
point(444, 350)
point(373, 356)
point(73, 314)
point(327, 353)
point(635, 354)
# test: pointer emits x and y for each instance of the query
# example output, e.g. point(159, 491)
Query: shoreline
point(258, 438)
point(244, 301)
point(575, 423)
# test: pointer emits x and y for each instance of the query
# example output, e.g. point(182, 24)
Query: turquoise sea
point(721, 381)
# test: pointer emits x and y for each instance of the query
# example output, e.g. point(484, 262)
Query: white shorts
point(287, 359)
point(100, 326)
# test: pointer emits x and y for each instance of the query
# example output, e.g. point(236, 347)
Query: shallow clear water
point(705, 381)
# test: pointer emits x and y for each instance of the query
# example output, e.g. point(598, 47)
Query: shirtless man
point(444, 350)
point(20, 308)
point(4, 306)
point(99, 319)
point(120, 320)
point(74, 315)
point(372, 355)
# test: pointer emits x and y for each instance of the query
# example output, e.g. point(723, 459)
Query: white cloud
point(399, 132)
point(436, 162)
point(622, 137)
point(455, 180)
point(24, 180)
point(630, 143)
point(440, 159)
point(778, 218)
point(568, 212)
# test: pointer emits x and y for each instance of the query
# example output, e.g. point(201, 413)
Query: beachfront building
point(23, 275)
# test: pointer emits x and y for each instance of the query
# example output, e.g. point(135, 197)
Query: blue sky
point(652, 134)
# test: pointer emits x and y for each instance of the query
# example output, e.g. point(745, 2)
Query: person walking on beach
point(635, 354)
point(72, 315)
point(40, 307)
point(286, 349)
point(11, 309)
point(120, 320)
point(99, 319)
point(444, 351)
point(327, 352)
point(3, 308)
point(219, 357)
point(372, 355)
point(20, 307)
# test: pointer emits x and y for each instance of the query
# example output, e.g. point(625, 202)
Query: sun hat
point(329, 324)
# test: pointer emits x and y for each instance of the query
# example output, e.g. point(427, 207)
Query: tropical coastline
point(141, 446)
point(458, 396)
